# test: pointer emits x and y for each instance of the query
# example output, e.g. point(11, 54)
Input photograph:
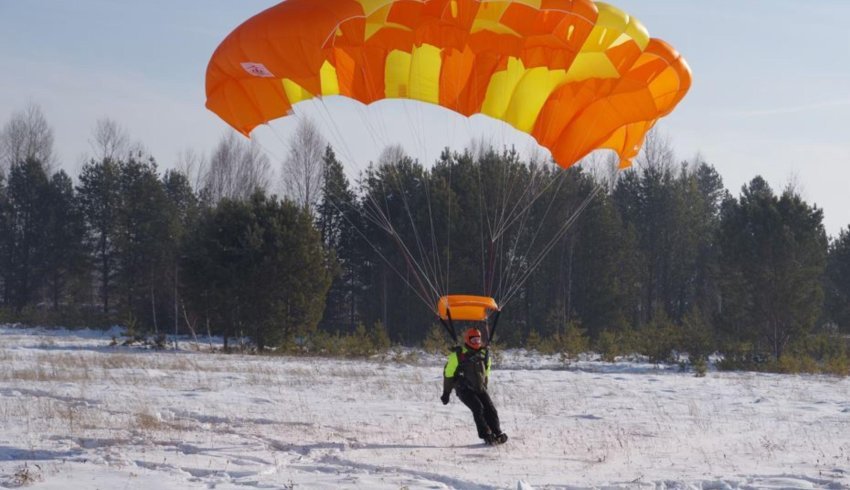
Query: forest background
point(662, 260)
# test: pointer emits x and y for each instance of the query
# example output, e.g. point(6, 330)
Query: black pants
point(485, 414)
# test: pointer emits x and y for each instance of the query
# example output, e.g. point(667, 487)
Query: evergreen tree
point(338, 218)
point(838, 281)
point(711, 192)
point(257, 268)
point(182, 211)
point(397, 273)
point(605, 285)
point(143, 240)
point(5, 244)
point(773, 254)
point(65, 257)
point(28, 196)
point(100, 198)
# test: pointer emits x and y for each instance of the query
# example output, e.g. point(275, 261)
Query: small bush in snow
point(436, 341)
point(25, 475)
point(700, 366)
point(613, 344)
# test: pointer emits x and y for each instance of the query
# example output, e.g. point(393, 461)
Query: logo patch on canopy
point(257, 69)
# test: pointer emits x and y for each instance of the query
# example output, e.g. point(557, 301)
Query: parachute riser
point(492, 330)
point(449, 325)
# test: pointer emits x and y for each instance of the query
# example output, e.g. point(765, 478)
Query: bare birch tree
point(27, 135)
point(193, 166)
point(302, 169)
point(391, 155)
point(657, 152)
point(237, 169)
point(109, 140)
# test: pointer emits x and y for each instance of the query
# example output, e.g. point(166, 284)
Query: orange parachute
point(576, 75)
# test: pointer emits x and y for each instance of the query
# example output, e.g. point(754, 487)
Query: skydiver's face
point(474, 343)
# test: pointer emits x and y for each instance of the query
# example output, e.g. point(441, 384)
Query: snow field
point(78, 414)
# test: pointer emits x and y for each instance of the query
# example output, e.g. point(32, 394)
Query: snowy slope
point(78, 414)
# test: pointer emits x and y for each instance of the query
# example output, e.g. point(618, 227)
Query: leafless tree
point(604, 167)
point(302, 169)
point(657, 152)
point(109, 140)
point(236, 170)
point(194, 166)
point(27, 135)
point(480, 146)
point(795, 186)
point(391, 155)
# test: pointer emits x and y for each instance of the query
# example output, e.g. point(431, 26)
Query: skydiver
point(467, 370)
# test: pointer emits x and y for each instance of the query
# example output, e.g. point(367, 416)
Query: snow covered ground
point(76, 413)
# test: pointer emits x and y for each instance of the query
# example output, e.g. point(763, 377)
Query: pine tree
point(396, 287)
point(65, 258)
point(100, 198)
point(28, 196)
point(5, 244)
point(838, 281)
point(773, 254)
point(605, 289)
point(143, 241)
point(182, 212)
point(338, 218)
point(256, 268)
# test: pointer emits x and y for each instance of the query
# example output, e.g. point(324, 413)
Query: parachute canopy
point(576, 75)
point(463, 307)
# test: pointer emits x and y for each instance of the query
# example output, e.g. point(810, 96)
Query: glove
point(445, 398)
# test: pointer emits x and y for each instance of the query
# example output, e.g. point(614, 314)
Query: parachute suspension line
point(426, 265)
point(560, 177)
point(562, 231)
point(506, 179)
point(481, 220)
point(414, 131)
point(362, 109)
point(437, 263)
point(374, 247)
point(418, 292)
point(449, 194)
point(513, 216)
point(376, 132)
point(492, 329)
point(436, 248)
point(380, 219)
point(415, 123)
point(502, 214)
point(419, 269)
point(491, 246)
point(326, 115)
point(267, 149)
point(450, 326)
point(514, 272)
point(506, 212)
point(376, 215)
point(557, 237)
point(425, 268)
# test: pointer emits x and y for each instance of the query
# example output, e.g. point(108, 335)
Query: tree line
point(663, 259)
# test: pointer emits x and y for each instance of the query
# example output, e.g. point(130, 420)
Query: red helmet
point(472, 338)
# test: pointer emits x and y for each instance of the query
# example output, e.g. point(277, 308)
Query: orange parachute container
point(464, 307)
point(576, 75)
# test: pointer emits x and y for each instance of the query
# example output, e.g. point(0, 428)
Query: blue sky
point(771, 93)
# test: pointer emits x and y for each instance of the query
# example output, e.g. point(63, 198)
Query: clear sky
point(771, 93)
